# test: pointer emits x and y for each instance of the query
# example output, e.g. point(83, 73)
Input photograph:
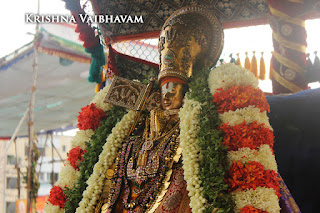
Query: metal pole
point(17, 167)
point(4, 156)
point(52, 153)
point(31, 114)
point(14, 135)
point(4, 180)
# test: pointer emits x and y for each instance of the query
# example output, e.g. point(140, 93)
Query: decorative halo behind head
point(191, 37)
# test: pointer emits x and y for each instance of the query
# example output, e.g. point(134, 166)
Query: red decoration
point(90, 117)
point(251, 135)
point(240, 97)
point(57, 197)
point(75, 156)
point(251, 209)
point(251, 175)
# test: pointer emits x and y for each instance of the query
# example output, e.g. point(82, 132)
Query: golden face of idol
point(172, 95)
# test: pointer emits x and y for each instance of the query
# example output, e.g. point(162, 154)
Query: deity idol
point(193, 152)
point(147, 174)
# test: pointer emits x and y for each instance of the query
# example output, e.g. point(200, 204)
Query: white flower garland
point(81, 137)
point(225, 77)
point(49, 208)
point(228, 75)
point(189, 129)
point(68, 176)
point(261, 198)
point(98, 100)
point(106, 158)
point(247, 114)
point(263, 155)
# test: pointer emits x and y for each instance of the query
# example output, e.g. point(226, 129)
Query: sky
point(12, 21)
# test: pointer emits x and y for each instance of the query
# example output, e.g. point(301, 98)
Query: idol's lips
point(166, 103)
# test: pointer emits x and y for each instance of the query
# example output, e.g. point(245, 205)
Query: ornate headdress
point(191, 36)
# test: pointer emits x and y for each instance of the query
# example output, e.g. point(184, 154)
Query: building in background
point(48, 167)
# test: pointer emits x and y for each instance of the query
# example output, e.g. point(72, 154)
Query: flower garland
point(189, 130)
point(203, 154)
point(70, 173)
point(251, 135)
point(90, 117)
point(75, 156)
point(239, 97)
point(91, 157)
point(252, 174)
point(106, 158)
point(57, 197)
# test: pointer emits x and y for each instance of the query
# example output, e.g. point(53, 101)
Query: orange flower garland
point(57, 197)
point(251, 135)
point(240, 97)
point(90, 117)
point(251, 209)
point(251, 175)
point(239, 101)
point(75, 156)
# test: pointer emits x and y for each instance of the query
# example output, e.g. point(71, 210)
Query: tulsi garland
point(213, 164)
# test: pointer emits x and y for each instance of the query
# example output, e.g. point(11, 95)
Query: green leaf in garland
point(91, 157)
point(213, 164)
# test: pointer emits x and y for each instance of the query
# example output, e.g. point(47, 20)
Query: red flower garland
point(75, 156)
point(251, 135)
point(251, 209)
point(240, 97)
point(90, 117)
point(57, 197)
point(250, 176)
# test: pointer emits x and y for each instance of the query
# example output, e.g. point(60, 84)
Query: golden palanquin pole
point(288, 63)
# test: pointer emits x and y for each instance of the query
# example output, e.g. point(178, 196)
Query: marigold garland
point(251, 175)
point(251, 135)
point(90, 117)
point(251, 209)
point(75, 156)
point(240, 97)
point(57, 197)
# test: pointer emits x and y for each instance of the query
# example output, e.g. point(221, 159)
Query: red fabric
point(293, 9)
point(251, 209)
point(112, 66)
point(136, 59)
point(169, 79)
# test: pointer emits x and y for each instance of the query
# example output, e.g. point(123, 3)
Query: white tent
point(62, 85)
